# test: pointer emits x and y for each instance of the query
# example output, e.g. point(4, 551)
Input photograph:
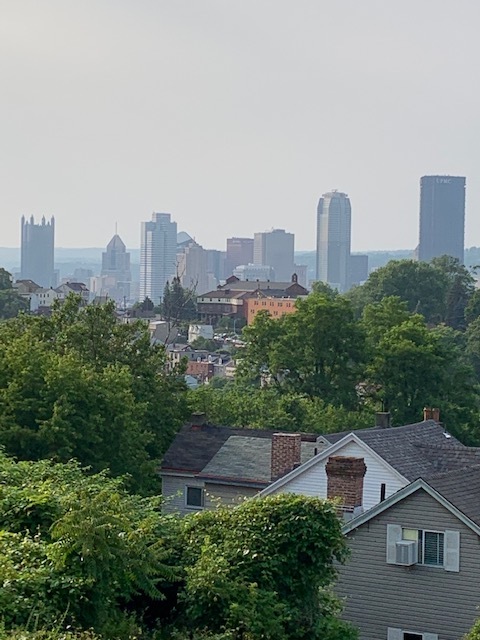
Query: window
point(400, 634)
point(194, 497)
point(409, 546)
point(430, 546)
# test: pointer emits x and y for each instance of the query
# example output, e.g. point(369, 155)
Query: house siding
point(173, 490)
point(313, 481)
point(226, 495)
point(419, 598)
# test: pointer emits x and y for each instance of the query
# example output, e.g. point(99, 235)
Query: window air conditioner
point(406, 552)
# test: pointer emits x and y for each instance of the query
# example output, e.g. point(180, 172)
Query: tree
point(178, 304)
point(419, 284)
point(79, 384)
point(315, 351)
point(11, 303)
point(272, 582)
point(75, 549)
point(238, 405)
point(460, 288)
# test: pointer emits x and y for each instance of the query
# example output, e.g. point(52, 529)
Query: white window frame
point(451, 546)
point(421, 547)
point(194, 506)
point(399, 634)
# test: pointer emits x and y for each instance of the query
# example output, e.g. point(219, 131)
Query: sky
point(235, 115)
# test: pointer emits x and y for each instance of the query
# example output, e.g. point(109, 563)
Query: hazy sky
point(235, 115)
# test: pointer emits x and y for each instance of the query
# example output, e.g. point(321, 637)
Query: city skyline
point(217, 112)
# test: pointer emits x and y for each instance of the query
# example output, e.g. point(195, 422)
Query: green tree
point(11, 303)
point(460, 288)
point(178, 304)
point(315, 351)
point(422, 286)
point(272, 582)
point(79, 384)
point(77, 550)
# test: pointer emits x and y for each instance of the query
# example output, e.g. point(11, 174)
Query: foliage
point(178, 303)
point(316, 351)
point(81, 385)
point(204, 344)
point(272, 582)
point(75, 549)
point(11, 303)
point(474, 633)
point(238, 405)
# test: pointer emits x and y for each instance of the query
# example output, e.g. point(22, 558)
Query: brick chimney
point(430, 413)
point(286, 453)
point(198, 419)
point(345, 480)
point(382, 419)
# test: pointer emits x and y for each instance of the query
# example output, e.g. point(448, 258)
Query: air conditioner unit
point(406, 552)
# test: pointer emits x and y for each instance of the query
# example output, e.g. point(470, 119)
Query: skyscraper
point(37, 251)
point(158, 255)
point(442, 217)
point(116, 269)
point(334, 214)
point(239, 251)
point(275, 249)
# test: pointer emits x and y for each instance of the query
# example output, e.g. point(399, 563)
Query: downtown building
point(275, 249)
point(37, 251)
point(336, 266)
point(158, 256)
point(442, 217)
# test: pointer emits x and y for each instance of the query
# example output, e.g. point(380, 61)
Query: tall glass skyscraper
point(275, 249)
point(442, 217)
point(37, 251)
point(158, 256)
point(334, 214)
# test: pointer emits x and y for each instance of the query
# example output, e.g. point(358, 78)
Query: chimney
point(286, 453)
point(430, 413)
point(345, 480)
point(198, 419)
point(382, 419)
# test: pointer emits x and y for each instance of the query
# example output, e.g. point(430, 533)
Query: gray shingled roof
point(247, 459)
point(195, 447)
point(462, 489)
point(412, 449)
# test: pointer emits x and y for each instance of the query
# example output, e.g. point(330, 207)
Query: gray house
point(414, 568)
point(207, 465)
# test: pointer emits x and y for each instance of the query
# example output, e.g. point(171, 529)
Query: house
point(78, 288)
point(393, 457)
point(207, 465)
point(387, 459)
point(275, 307)
point(415, 561)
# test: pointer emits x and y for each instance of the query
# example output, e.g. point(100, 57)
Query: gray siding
point(173, 490)
point(419, 598)
point(227, 495)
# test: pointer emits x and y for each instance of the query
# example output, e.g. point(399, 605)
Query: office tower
point(216, 263)
point(442, 217)
point(239, 251)
point(116, 270)
point(358, 269)
point(158, 256)
point(333, 239)
point(275, 249)
point(37, 251)
point(192, 268)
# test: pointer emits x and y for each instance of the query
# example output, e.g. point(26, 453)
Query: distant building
point(37, 251)
point(228, 301)
point(192, 268)
point(442, 217)
point(158, 256)
point(358, 269)
point(333, 239)
point(239, 251)
point(216, 264)
point(254, 272)
point(116, 269)
point(275, 248)
point(275, 307)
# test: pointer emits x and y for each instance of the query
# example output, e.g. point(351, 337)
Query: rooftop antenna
point(116, 228)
